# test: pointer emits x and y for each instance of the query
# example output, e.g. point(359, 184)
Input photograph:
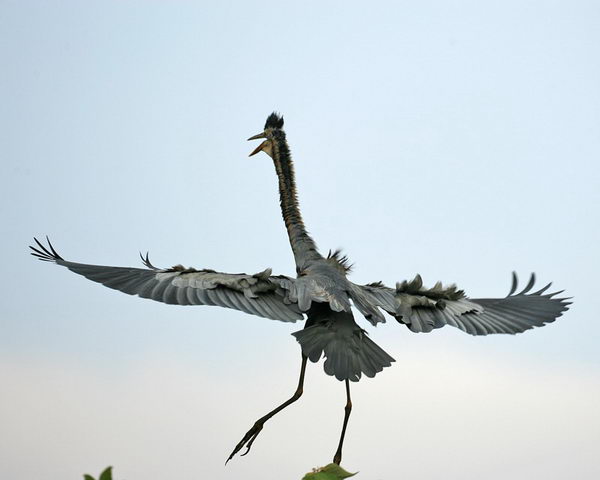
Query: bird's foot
point(247, 441)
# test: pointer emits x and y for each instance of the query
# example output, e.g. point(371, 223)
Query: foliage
point(328, 472)
point(105, 475)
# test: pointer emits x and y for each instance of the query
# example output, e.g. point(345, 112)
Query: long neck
point(302, 244)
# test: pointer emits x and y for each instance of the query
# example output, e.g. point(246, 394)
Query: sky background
point(459, 140)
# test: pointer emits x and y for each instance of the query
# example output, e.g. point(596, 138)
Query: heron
point(322, 295)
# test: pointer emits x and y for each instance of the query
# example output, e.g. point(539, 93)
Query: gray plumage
point(322, 295)
point(325, 296)
point(260, 294)
point(347, 349)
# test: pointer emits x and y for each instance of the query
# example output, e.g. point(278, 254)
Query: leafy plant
point(328, 472)
point(105, 475)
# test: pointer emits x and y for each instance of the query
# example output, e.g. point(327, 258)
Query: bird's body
point(322, 294)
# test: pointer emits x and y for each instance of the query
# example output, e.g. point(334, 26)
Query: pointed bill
point(257, 136)
point(259, 148)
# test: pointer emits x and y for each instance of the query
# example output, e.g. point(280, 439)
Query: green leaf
point(328, 472)
point(106, 474)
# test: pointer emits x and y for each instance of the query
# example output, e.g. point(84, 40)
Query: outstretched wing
point(259, 294)
point(423, 309)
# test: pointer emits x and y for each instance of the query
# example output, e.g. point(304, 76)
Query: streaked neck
point(302, 244)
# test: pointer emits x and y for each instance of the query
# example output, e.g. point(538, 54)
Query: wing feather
point(423, 310)
point(258, 294)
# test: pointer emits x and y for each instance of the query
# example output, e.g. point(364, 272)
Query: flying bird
point(323, 296)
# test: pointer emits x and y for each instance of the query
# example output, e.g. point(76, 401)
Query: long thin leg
point(347, 409)
point(251, 434)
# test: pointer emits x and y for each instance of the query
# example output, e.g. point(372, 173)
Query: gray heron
point(323, 296)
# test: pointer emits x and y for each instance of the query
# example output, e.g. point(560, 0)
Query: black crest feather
point(274, 121)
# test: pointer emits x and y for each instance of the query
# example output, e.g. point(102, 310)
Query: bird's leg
point(347, 409)
point(251, 434)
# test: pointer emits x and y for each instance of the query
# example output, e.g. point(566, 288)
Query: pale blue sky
point(460, 141)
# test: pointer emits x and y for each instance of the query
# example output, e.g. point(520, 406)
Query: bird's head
point(273, 130)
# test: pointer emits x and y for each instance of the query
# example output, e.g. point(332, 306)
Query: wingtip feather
point(515, 282)
point(43, 253)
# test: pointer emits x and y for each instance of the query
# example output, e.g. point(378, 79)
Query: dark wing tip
point(515, 282)
point(47, 254)
point(147, 263)
point(528, 287)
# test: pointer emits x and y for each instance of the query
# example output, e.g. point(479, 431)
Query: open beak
point(261, 146)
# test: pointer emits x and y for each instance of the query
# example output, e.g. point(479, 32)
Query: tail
point(347, 349)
